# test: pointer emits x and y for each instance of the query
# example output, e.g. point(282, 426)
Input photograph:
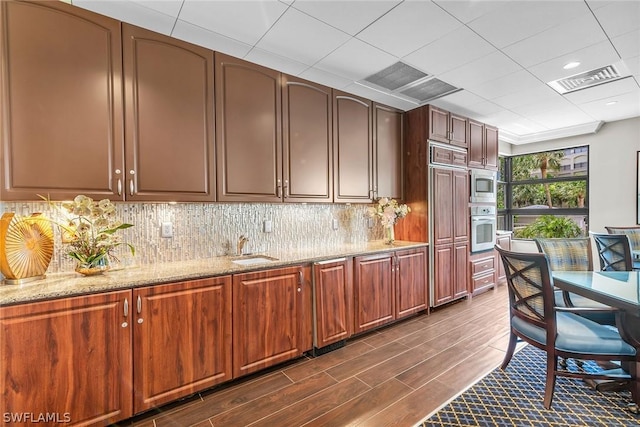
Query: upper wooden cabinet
point(248, 131)
point(169, 138)
point(446, 127)
point(352, 148)
point(483, 146)
point(61, 101)
point(306, 141)
point(70, 357)
point(388, 138)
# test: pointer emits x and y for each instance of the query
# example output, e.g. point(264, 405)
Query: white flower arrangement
point(389, 211)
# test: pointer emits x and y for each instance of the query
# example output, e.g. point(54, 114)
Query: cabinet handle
point(286, 188)
point(139, 304)
point(126, 307)
point(131, 186)
point(279, 189)
point(119, 187)
point(300, 278)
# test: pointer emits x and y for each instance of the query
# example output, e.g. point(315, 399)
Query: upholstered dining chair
point(574, 254)
point(559, 331)
point(614, 251)
point(633, 233)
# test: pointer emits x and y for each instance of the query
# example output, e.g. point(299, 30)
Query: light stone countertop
point(58, 285)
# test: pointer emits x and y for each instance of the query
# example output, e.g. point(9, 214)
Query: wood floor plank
point(266, 405)
point(367, 360)
point(315, 406)
point(394, 333)
point(360, 408)
point(433, 367)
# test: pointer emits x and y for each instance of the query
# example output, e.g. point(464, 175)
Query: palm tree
point(546, 161)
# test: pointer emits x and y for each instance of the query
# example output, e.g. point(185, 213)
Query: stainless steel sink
point(253, 260)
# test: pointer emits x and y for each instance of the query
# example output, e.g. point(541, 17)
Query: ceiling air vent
point(589, 78)
point(395, 76)
point(404, 81)
point(429, 90)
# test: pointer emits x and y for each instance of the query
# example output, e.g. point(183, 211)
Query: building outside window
point(544, 194)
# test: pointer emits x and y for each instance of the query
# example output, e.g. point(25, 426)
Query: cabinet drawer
point(458, 158)
point(442, 155)
point(482, 282)
point(482, 265)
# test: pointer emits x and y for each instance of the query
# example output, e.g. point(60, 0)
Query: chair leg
point(550, 383)
point(511, 347)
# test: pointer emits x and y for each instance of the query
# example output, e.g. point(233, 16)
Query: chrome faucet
point(241, 241)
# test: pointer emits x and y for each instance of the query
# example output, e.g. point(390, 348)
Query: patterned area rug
point(514, 398)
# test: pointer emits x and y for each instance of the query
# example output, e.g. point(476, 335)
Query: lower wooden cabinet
point(271, 317)
point(483, 272)
point(69, 357)
point(504, 241)
point(182, 339)
point(389, 286)
point(333, 301)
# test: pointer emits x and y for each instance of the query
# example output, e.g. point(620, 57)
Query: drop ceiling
point(499, 56)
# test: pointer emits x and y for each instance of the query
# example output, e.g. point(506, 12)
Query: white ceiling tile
point(325, 78)
point(627, 105)
point(409, 26)
point(535, 108)
point(245, 21)
point(561, 117)
point(382, 97)
point(132, 13)
point(464, 97)
point(450, 51)
point(633, 64)
point(619, 17)
point(168, 7)
point(522, 126)
point(628, 45)
point(350, 16)
point(590, 58)
point(467, 11)
point(196, 35)
point(356, 59)
point(302, 38)
point(505, 85)
point(276, 62)
point(573, 35)
point(530, 95)
point(603, 91)
point(513, 21)
point(481, 70)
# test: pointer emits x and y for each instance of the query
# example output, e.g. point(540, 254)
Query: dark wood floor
point(394, 376)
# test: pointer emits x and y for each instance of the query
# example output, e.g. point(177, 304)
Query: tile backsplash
point(205, 230)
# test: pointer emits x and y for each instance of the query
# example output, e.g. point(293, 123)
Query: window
point(544, 194)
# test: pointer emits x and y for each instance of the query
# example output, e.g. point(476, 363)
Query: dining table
point(618, 289)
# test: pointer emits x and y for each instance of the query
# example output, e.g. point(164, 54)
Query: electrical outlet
point(166, 229)
point(334, 224)
point(267, 226)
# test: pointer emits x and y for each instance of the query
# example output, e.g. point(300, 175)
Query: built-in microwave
point(483, 186)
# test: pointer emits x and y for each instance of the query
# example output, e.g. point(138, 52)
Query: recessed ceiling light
point(571, 65)
point(611, 103)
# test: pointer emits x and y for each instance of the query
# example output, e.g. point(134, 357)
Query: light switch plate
point(334, 224)
point(267, 226)
point(166, 229)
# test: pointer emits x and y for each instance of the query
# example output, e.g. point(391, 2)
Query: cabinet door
point(182, 339)
point(352, 149)
point(461, 269)
point(476, 144)
point(444, 274)
point(442, 203)
point(411, 282)
point(505, 243)
point(374, 294)
point(307, 139)
point(438, 124)
point(491, 151)
point(70, 356)
point(333, 290)
point(169, 118)
point(458, 129)
point(460, 210)
point(269, 318)
point(388, 145)
point(61, 102)
point(248, 131)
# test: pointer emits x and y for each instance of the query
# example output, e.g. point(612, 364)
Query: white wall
point(612, 170)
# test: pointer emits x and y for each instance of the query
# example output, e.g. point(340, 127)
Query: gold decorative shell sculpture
point(26, 247)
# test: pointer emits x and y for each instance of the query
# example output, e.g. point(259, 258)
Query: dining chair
point(633, 232)
point(614, 251)
point(573, 254)
point(559, 331)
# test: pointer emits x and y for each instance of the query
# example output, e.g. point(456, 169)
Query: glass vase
point(389, 235)
point(93, 269)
